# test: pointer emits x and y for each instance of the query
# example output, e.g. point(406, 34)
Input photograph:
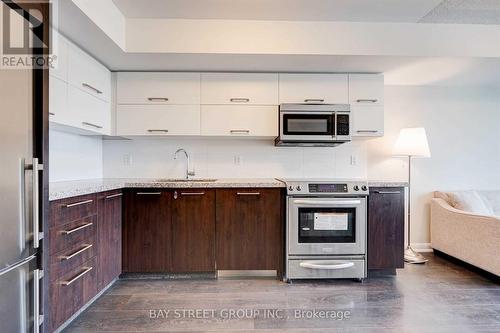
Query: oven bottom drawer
point(326, 269)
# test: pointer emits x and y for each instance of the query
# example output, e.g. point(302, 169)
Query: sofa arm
point(469, 237)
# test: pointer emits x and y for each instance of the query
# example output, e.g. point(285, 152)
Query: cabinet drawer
point(313, 88)
point(239, 120)
point(158, 88)
point(158, 120)
point(326, 269)
point(72, 291)
point(72, 257)
point(65, 235)
point(72, 209)
point(239, 88)
point(88, 112)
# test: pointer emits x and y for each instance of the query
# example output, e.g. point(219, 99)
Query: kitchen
point(169, 183)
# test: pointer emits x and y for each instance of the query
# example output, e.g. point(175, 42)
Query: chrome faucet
point(188, 173)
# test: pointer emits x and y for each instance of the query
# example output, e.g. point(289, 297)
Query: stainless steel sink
point(179, 180)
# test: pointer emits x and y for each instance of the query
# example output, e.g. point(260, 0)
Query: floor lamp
point(412, 143)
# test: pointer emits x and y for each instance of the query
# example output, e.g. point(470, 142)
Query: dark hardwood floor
point(437, 297)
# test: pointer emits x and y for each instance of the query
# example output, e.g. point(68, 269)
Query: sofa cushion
point(492, 199)
point(469, 201)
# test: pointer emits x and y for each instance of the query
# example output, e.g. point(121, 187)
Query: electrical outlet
point(237, 160)
point(354, 160)
point(127, 160)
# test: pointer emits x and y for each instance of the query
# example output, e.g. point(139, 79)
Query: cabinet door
point(58, 102)
point(239, 88)
point(89, 113)
point(158, 120)
point(193, 230)
point(239, 120)
point(249, 229)
point(109, 234)
point(87, 74)
point(386, 228)
point(158, 88)
point(313, 88)
point(147, 231)
point(366, 89)
point(367, 120)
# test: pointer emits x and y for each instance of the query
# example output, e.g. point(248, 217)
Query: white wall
point(463, 129)
point(73, 157)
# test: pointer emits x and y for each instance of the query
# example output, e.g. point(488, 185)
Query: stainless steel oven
point(314, 124)
point(326, 229)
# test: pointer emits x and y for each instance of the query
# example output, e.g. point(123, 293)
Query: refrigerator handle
point(37, 317)
point(36, 168)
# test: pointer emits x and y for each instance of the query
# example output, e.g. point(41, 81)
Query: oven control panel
point(297, 187)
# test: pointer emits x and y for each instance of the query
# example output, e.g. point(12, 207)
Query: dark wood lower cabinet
point(147, 231)
point(386, 228)
point(249, 229)
point(109, 233)
point(193, 230)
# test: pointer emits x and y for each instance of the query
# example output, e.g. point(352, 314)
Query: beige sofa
point(466, 225)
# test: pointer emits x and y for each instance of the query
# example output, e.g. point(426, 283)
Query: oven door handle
point(311, 265)
point(333, 202)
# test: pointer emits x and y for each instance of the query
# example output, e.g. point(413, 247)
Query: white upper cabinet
point(239, 120)
point(157, 120)
point(239, 88)
point(158, 88)
point(59, 68)
point(58, 102)
point(367, 120)
point(87, 74)
point(88, 112)
point(366, 89)
point(313, 88)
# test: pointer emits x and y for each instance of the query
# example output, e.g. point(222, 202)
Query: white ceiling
point(465, 12)
point(292, 10)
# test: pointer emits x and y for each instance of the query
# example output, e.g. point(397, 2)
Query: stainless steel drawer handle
point(308, 100)
point(367, 131)
point(192, 193)
point(83, 226)
point(67, 283)
point(367, 100)
point(148, 193)
point(88, 86)
point(319, 202)
point(158, 130)
point(113, 196)
point(52, 114)
point(74, 254)
point(91, 125)
point(311, 265)
point(387, 192)
point(239, 100)
point(237, 131)
point(79, 203)
point(158, 99)
point(248, 193)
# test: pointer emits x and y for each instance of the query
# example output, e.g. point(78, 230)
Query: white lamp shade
point(412, 142)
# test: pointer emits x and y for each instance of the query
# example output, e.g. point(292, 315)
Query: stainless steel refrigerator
point(21, 197)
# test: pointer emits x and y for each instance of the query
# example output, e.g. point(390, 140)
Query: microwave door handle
point(332, 202)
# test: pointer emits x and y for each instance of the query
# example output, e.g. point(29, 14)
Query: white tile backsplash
point(154, 157)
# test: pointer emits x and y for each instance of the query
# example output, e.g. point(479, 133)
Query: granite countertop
point(68, 189)
point(386, 183)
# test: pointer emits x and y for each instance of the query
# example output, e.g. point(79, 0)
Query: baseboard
point(422, 247)
point(83, 308)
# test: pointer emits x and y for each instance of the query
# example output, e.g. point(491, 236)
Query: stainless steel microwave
point(314, 124)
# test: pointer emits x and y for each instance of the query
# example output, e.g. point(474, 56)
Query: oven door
point(311, 126)
point(326, 226)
